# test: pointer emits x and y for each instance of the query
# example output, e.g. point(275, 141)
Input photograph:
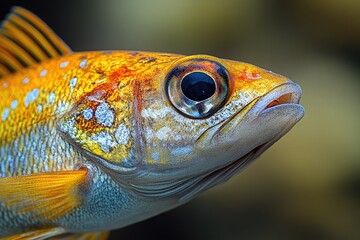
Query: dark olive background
point(307, 186)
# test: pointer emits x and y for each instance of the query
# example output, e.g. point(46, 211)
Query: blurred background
point(307, 186)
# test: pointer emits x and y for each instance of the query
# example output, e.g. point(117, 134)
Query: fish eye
point(198, 88)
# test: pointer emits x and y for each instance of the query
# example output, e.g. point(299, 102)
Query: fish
point(96, 141)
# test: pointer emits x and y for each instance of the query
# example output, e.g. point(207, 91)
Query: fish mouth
point(253, 130)
point(284, 94)
point(281, 103)
point(270, 116)
point(240, 139)
point(287, 98)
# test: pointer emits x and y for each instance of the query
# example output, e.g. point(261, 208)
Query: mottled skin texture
point(58, 92)
point(96, 141)
point(132, 84)
point(31, 140)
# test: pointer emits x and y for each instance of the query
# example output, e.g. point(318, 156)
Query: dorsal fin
point(26, 40)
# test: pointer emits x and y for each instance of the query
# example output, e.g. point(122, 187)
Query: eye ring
point(198, 88)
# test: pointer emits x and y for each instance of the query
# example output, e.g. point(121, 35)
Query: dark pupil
point(198, 86)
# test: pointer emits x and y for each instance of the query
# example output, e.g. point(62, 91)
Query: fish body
point(95, 141)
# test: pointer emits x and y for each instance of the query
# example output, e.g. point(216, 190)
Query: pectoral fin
point(36, 234)
point(85, 236)
point(44, 195)
point(57, 233)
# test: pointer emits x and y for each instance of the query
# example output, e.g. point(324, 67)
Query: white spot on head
point(122, 134)
point(14, 104)
point(5, 114)
point(104, 115)
point(64, 64)
point(31, 96)
point(25, 80)
point(83, 63)
point(104, 140)
point(88, 113)
point(5, 84)
point(162, 133)
point(39, 108)
point(73, 82)
point(51, 97)
point(43, 73)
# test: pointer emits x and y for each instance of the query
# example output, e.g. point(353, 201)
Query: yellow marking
point(10, 60)
point(36, 234)
point(34, 33)
point(12, 32)
point(45, 195)
point(26, 40)
point(3, 70)
point(16, 50)
point(84, 236)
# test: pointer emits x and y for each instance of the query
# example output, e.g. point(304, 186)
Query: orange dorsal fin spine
point(26, 40)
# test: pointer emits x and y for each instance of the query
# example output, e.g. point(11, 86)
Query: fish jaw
point(275, 112)
point(174, 154)
point(225, 148)
point(270, 116)
point(243, 138)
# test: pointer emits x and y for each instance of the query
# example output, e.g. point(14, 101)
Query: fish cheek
point(101, 127)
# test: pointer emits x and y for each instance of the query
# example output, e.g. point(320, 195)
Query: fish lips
point(248, 134)
point(286, 95)
point(257, 126)
point(275, 113)
point(265, 117)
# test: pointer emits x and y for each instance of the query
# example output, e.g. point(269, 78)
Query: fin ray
point(26, 40)
point(34, 33)
point(10, 60)
point(84, 236)
point(48, 33)
point(16, 51)
point(12, 32)
point(45, 195)
point(4, 71)
point(37, 234)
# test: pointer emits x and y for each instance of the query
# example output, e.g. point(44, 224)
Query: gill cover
point(101, 124)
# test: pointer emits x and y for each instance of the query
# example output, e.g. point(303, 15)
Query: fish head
point(189, 123)
point(210, 118)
